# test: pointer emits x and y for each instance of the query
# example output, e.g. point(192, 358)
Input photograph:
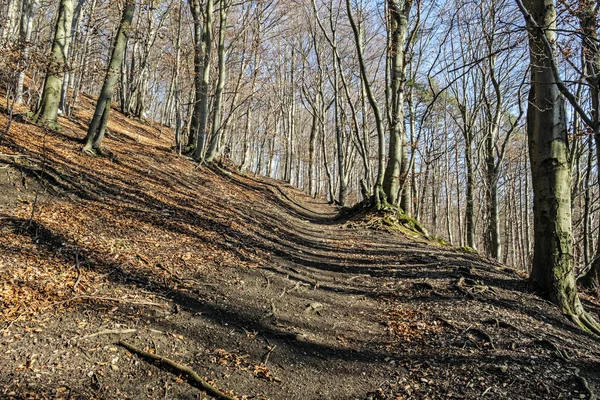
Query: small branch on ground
point(191, 376)
point(109, 332)
point(78, 267)
point(266, 357)
point(99, 298)
point(11, 323)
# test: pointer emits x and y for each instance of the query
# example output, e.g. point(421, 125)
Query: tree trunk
point(588, 16)
point(470, 206)
point(202, 117)
point(398, 21)
point(378, 192)
point(48, 111)
point(196, 11)
point(217, 106)
point(62, 105)
point(95, 134)
point(11, 31)
point(26, 29)
point(552, 271)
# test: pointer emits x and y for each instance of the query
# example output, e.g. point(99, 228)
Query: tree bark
point(552, 271)
point(217, 106)
point(26, 29)
point(202, 116)
point(48, 111)
point(378, 192)
point(96, 130)
point(398, 30)
point(588, 16)
point(11, 31)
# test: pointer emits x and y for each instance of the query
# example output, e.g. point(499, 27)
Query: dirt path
point(255, 286)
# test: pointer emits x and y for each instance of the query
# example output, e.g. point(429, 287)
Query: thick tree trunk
point(588, 15)
point(48, 112)
point(95, 134)
point(398, 21)
point(552, 271)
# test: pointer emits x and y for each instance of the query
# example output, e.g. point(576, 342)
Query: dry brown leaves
point(409, 324)
point(140, 213)
point(234, 361)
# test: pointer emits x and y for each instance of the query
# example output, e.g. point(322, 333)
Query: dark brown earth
point(257, 287)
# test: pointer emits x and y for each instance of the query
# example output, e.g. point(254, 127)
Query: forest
point(280, 154)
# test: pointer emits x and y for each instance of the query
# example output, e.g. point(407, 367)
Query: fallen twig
point(98, 298)
point(14, 155)
point(109, 332)
point(78, 271)
point(11, 323)
point(192, 377)
point(266, 357)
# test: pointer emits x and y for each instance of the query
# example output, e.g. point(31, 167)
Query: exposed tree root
point(562, 354)
point(191, 376)
point(483, 334)
point(586, 321)
point(583, 382)
point(472, 288)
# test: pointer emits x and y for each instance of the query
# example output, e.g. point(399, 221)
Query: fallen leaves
point(409, 324)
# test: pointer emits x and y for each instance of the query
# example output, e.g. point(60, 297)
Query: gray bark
point(26, 29)
point(96, 130)
point(48, 111)
point(399, 12)
point(552, 271)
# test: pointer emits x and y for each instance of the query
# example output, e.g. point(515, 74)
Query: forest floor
point(257, 287)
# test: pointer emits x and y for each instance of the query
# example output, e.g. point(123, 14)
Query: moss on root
point(386, 217)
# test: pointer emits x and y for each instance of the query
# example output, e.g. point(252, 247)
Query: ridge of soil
point(251, 283)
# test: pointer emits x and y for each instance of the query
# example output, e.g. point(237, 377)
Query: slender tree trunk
point(379, 192)
point(95, 134)
point(470, 206)
point(25, 37)
point(202, 123)
point(176, 95)
point(83, 64)
point(196, 11)
point(11, 31)
point(62, 105)
point(217, 106)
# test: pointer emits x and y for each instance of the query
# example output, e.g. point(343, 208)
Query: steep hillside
point(255, 286)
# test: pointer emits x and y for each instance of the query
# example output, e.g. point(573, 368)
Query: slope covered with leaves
point(257, 287)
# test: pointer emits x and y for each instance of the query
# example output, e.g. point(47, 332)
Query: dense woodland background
point(311, 91)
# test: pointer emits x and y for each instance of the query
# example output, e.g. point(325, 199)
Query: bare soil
point(260, 289)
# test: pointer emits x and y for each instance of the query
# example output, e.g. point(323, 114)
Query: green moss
point(440, 241)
